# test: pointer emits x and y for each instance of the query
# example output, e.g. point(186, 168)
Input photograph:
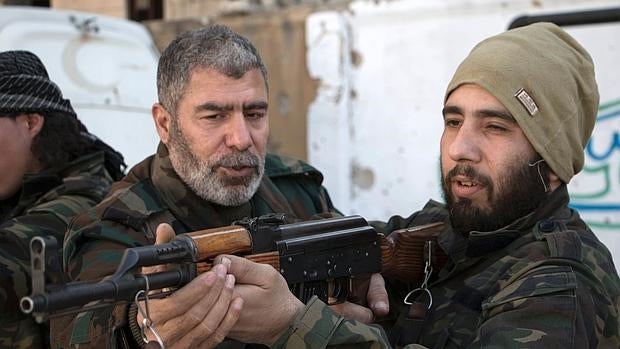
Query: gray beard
point(201, 177)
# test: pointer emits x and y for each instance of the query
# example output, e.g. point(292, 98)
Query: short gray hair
point(214, 47)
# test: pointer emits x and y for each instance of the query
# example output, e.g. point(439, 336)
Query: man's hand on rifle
point(198, 315)
point(266, 292)
point(376, 298)
point(269, 306)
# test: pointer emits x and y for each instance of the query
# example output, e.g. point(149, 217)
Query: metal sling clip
point(428, 270)
point(147, 323)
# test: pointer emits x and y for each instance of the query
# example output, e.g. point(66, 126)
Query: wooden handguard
point(403, 255)
point(210, 243)
point(271, 258)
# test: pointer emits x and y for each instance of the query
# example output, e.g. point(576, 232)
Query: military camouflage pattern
point(44, 207)
point(150, 194)
point(319, 327)
point(544, 281)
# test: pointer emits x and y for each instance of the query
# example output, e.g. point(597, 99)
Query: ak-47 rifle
point(331, 258)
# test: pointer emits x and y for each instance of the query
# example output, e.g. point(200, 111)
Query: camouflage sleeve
point(552, 306)
point(47, 219)
point(101, 246)
point(94, 247)
point(318, 327)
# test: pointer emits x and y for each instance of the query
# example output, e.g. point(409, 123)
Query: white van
point(383, 67)
point(106, 66)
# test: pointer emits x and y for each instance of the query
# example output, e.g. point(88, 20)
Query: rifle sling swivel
point(143, 308)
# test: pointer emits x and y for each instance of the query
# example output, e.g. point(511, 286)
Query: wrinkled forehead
point(210, 89)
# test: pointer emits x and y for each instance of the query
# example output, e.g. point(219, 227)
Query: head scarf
point(25, 86)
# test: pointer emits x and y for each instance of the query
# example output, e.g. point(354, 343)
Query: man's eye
point(213, 116)
point(453, 123)
point(254, 115)
point(497, 128)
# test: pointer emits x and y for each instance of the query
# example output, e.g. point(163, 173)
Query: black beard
point(519, 191)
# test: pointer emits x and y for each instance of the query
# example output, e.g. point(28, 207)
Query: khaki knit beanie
point(546, 80)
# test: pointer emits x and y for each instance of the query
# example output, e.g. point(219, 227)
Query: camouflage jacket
point(153, 193)
point(544, 281)
point(43, 207)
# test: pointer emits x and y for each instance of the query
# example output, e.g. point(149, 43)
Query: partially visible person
point(51, 168)
point(525, 271)
point(210, 169)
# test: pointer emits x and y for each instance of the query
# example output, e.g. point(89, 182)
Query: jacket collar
point(34, 186)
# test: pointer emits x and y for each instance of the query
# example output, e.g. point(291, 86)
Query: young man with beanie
point(524, 270)
point(50, 170)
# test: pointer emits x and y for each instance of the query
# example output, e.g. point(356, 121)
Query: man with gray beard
point(211, 169)
point(204, 181)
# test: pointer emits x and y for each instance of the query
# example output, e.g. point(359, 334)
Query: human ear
point(34, 124)
point(554, 180)
point(162, 120)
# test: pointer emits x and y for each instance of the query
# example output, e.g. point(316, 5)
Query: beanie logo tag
point(527, 101)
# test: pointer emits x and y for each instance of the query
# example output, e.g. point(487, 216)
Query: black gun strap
point(273, 197)
point(409, 325)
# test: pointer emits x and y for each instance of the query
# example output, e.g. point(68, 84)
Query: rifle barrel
point(80, 294)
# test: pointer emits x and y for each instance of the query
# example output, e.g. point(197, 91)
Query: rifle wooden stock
point(403, 255)
point(402, 252)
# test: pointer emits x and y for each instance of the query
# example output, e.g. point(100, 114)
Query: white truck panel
point(404, 53)
point(108, 73)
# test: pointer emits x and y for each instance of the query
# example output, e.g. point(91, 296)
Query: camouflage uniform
point(43, 207)
point(544, 281)
point(152, 193)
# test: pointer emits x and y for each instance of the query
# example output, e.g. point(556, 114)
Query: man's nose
point(465, 145)
point(238, 134)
